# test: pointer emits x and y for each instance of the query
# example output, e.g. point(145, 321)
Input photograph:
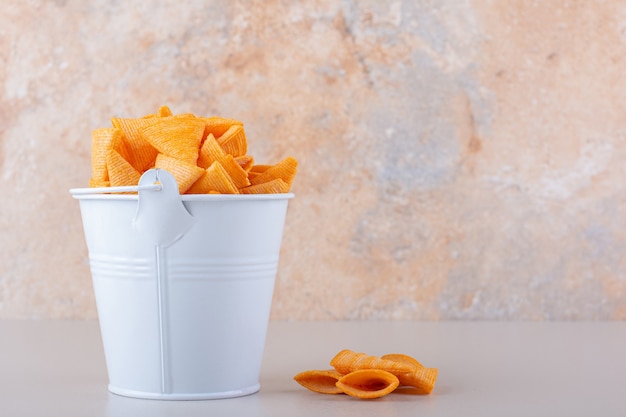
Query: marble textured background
point(458, 159)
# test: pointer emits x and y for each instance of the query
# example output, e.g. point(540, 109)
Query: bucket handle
point(121, 189)
point(162, 218)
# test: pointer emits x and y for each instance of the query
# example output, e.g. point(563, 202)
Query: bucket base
point(182, 396)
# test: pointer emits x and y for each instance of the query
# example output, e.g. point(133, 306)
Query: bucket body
point(184, 318)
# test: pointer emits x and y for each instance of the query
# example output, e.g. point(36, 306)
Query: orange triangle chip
point(245, 161)
point(285, 170)
point(121, 173)
point(257, 170)
point(235, 171)
point(101, 143)
point(260, 168)
point(215, 178)
point(218, 125)
point(276, 186)
point(185, 173)
point(119, 144)
point(178, 137)
point(210, 151)
point(233, 141)
point(141, 153)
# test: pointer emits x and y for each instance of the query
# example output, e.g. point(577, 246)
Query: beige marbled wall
point(458, 159)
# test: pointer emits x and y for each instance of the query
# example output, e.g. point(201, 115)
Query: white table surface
point(57, 368)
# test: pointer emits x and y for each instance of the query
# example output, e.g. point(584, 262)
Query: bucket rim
point(189, 197)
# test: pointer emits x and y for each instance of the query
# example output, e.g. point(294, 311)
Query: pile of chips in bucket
point(206, 155)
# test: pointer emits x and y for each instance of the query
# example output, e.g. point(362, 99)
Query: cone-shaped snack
point(285, 170)
point(276, 186)
point(215, 178)
point(218, 125)
point(422, 378)
point(186, 174)
point(211, 152)
point(322, 381)
point(235, 171)
point(177, 137)
point(259, 169)
point(102, 141)
point(121, 173)
point(245, 161)
point(348, 361)
point(401, 357)
point(118, 143)
point(368, 383)
point(233, 141)
point(141, 154)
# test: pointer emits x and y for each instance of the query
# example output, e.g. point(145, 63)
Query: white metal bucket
point(183, 286)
